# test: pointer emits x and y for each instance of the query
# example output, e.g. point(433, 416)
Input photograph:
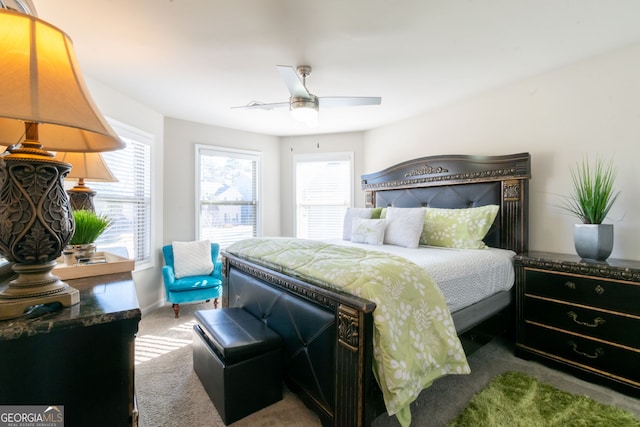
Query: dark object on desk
point(93, 260)
point(41, 309)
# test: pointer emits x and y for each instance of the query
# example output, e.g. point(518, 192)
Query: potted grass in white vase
point(591, 200)
point(88, 227)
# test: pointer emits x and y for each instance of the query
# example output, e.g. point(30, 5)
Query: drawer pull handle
point(570, 285)
point(596, 322)
point(599, 290)
point(599, 352)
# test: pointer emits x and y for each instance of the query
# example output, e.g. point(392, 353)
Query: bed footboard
point(327, 339)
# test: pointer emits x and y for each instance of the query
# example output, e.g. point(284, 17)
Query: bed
point(328, 333)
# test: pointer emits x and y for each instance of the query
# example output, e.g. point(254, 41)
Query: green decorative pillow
point(458, 228)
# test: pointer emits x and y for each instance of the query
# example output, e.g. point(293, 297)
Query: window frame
point(230, 152)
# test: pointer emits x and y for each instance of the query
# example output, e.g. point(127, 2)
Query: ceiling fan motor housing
point(303, 102)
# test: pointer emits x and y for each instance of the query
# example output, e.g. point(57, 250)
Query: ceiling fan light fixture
point(303, 105)
point(305, 110)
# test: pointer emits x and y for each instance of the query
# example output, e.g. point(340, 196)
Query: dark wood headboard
point(460, 181)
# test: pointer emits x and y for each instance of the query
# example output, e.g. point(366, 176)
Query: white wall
point(181, 137)
point(588, 108)
point(117, 106)
point(290, 146)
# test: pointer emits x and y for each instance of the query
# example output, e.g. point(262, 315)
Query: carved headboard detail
point(456, 181)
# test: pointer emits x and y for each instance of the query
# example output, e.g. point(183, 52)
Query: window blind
point(128, 201)
point(227, 199)
point(323, 192)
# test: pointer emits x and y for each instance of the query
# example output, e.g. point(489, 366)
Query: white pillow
point(348, 219)
point(370, 231)
point(404, 226)
point(192, 258)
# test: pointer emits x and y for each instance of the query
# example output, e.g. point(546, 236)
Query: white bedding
point(465, 276)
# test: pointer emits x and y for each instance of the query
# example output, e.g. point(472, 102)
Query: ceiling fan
point(303, 104)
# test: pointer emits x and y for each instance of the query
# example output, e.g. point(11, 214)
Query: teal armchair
point(191, 288)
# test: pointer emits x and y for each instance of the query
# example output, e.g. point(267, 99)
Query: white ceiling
point(195, 59)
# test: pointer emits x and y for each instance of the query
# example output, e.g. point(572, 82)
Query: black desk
point(81, 357)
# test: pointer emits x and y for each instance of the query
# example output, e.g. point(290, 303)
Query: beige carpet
point(170, 394)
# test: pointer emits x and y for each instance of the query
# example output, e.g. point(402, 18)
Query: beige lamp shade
point(89, 166)
point(41, 82)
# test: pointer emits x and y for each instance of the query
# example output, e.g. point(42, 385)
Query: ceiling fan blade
point(348, 101)
point(293, 82)
point(263, 106)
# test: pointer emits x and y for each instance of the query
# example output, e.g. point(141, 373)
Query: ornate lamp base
point(35, 285)
point(81, 199)
point(35, 225)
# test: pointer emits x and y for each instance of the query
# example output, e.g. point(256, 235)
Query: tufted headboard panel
point(458, 196)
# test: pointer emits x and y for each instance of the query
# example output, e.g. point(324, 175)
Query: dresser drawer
point(594, 292)
point(606, 326)
point(588, 354)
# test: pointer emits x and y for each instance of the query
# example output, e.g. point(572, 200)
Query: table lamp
point(43, 103)
point(85, 166)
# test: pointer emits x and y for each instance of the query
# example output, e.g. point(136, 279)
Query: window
point(323, 192)
point(128, 201)
point(227, 194)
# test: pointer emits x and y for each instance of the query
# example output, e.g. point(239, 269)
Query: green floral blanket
point(414, 338)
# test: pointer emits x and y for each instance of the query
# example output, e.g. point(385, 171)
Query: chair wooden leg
point(176, 310)
point(216, 301)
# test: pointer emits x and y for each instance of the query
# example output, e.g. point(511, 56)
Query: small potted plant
point(591, 200)
point(88, 227)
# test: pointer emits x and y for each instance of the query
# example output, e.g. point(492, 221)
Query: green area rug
point(514, 399)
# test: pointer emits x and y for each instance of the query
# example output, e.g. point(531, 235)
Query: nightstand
point(580, 315)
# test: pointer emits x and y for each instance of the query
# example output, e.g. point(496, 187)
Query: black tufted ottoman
point(238, 360)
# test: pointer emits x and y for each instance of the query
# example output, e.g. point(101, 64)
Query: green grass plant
point(593, 194)
point(89, 226)
point(514, 399)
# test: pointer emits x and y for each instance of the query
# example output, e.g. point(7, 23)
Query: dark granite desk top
point(103, 299)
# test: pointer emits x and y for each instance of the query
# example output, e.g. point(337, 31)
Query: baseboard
point(149, 308)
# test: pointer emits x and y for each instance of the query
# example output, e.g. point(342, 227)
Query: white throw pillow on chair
point(192, 258)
